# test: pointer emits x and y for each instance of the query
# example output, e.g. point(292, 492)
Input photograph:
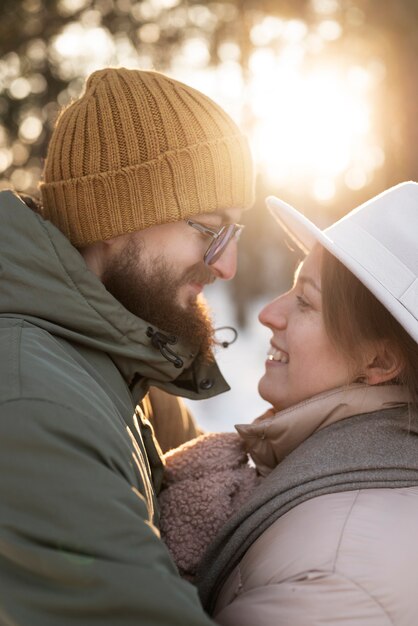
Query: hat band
point(203, 178)
point(410, 298)
point(373, 256)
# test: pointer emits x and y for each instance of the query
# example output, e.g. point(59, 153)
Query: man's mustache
point(198, 273)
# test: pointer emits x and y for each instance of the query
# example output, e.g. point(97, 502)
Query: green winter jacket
point(79, 542)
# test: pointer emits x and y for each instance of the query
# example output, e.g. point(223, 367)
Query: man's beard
point(151, 293)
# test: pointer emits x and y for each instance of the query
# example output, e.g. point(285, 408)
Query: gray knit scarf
point(371, 451)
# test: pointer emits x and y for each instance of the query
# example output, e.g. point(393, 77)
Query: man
point(143, 183)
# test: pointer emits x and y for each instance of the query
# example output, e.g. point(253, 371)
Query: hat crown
point(391, 218)
point(127, 117)
point(138, 149)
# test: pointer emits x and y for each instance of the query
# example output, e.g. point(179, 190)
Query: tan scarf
point(271, 437)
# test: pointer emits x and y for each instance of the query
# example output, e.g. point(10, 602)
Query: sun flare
point(313, 126)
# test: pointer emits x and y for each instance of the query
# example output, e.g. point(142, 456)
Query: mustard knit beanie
point(139, 149)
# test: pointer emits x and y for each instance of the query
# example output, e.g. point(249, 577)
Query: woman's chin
point(265, 392)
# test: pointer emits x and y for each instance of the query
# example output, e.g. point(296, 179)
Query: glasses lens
point(219, 244)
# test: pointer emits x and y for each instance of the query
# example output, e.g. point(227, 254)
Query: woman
point(329, 536)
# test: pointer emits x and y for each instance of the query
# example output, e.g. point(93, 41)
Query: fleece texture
point(206, 481)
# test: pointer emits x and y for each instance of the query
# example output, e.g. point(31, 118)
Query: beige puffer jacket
point(339, 559)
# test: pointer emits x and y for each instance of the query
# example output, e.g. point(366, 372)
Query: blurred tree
point(392, 28)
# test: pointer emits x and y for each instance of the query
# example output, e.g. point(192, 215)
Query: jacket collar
point(271, 437)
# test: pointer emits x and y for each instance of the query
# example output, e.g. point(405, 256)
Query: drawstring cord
point(160, 341)
point(226, 344)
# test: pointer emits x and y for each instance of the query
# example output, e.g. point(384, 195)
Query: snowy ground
point(242, 364)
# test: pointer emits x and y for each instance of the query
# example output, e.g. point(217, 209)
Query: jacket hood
point(45, 281)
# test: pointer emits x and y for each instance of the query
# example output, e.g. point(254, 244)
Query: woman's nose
point(273, 314)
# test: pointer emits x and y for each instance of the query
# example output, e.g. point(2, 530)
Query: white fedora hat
point(377, 241)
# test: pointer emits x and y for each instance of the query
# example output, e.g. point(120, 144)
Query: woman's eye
point(302, 303)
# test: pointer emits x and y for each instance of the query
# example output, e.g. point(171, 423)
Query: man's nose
point(226, 266)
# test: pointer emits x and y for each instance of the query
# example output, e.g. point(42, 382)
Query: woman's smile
point(276, 355)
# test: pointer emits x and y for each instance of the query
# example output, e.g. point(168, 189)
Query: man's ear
point(94, 255)
point(97, 254)
point(384, 364)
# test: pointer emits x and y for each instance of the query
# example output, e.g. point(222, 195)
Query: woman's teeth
point(278, 355)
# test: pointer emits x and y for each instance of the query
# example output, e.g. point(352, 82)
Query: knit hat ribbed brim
point(139, 149)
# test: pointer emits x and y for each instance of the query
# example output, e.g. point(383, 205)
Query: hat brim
point(299, 228)
point(362, 258)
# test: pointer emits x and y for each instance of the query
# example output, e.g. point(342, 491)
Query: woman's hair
point(352, 315)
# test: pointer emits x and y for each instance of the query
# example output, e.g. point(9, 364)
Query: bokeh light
point(30, 129)
point(80, 49)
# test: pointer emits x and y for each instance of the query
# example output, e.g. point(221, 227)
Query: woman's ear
point(384, 363)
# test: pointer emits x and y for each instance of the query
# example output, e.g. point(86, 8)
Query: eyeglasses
point(220, 238)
